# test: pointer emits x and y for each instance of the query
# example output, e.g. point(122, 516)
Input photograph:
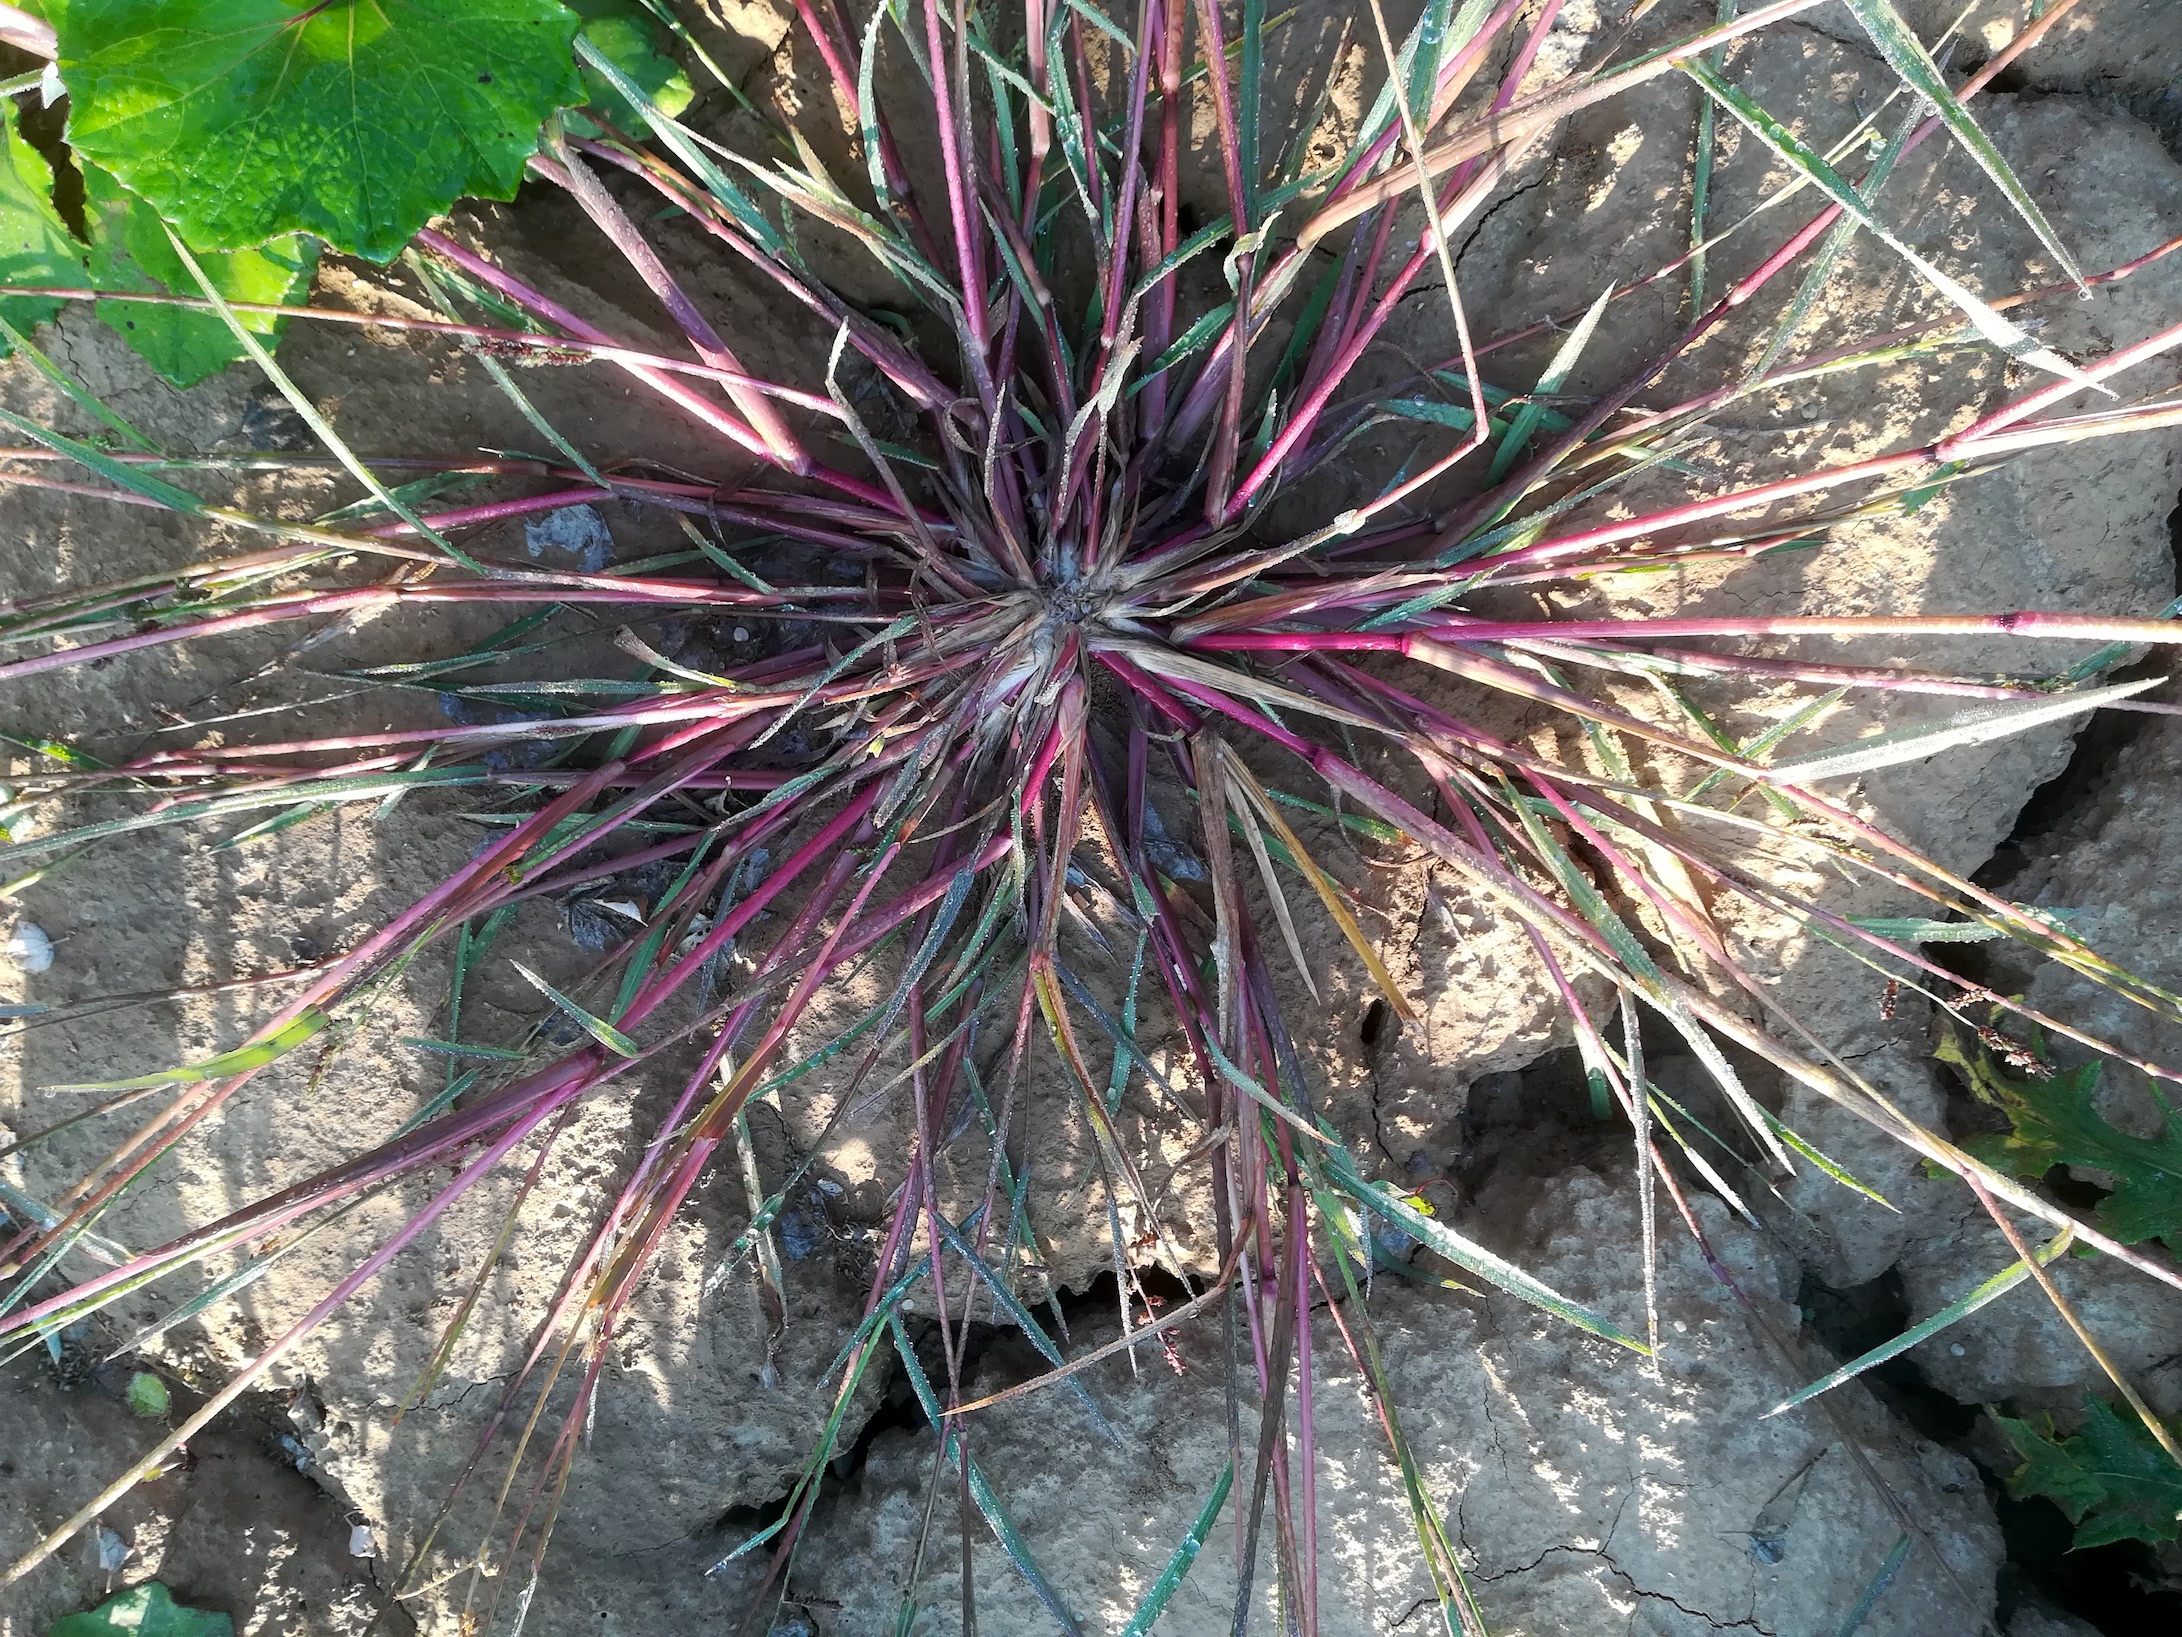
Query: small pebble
point(360, 1541)
point(29, 948)
point(1957, 1349)
point(742, 633)
point(113, 1551)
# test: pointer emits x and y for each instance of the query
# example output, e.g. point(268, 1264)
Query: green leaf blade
point(1906, 55)
point(1556, 376)
point(1991, 1290)
point(1185, 1554)
point(1464, 1252)
point(596, 1027)
point(242, 1060)
point(1791, 150)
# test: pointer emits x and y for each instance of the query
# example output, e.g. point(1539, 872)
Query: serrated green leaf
point(129, 251)
point(35, 244)
point(2112, 1479)
point(2056, 1122)
point(2048, 1470)
point(356, 120)
point(146, 1610)
point(619, 32)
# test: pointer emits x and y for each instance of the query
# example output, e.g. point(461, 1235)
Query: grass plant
point(1070, 591)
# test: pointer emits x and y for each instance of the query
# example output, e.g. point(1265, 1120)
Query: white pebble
point(1957, 1349)
point(742, 633)
point(360, 1541)
point(29, 948)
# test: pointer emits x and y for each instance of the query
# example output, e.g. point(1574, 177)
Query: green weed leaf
point(2112, 1479)
point(1991, 1290)
point(2057, 1123)
point(148, 1610)
point(35, 245)
point(1979, 724)
point(147, 1395)
point(628, 40)
point(129, 251)
point(355, 120)
point(1466, 1253)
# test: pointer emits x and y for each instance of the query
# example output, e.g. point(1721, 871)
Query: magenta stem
point(1460, 629)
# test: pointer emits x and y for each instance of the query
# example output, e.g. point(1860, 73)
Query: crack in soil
point(1627, 1579)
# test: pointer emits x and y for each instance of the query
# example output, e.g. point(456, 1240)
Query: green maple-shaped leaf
point(147, 1610)
point(130, 251)
point(2049, 1469)
point(2056, 1122)
point(353, 120)
point(2112, 1479)
point(35, 245)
